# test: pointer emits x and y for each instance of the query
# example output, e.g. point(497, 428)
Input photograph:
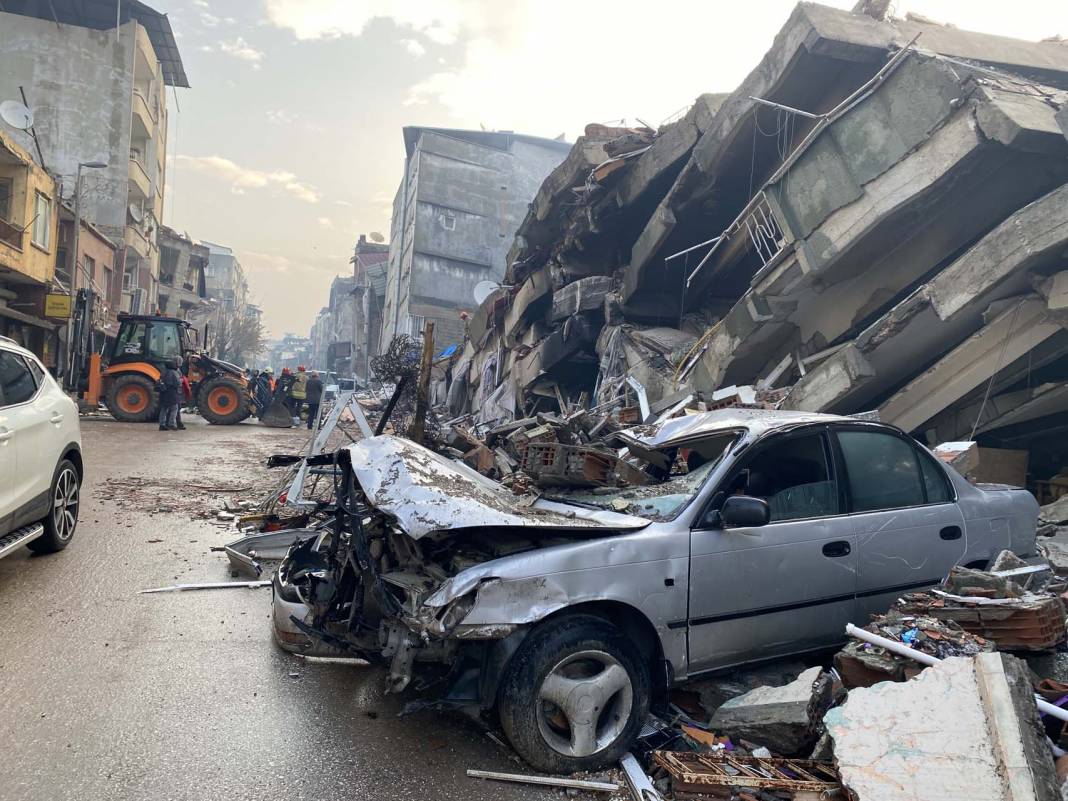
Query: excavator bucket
point(277, 415)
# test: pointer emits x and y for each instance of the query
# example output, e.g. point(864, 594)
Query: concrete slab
point(965, 728)
point(942, 312)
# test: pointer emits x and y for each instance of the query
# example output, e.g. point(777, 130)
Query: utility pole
point(422, 390)
point(90, 165)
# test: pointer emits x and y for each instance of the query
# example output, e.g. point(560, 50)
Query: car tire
point(601, 686)
point(65, 500)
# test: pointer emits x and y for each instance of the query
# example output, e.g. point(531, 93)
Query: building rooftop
point(498, 140)
point(101, 14)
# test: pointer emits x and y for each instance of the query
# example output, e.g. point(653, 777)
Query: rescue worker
point(298, 392)
point(315, 397)
point(264, 390)
point(170, 395)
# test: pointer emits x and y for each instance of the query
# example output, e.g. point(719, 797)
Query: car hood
point(427, 493)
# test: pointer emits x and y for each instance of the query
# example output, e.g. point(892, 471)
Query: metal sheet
point(426, 492)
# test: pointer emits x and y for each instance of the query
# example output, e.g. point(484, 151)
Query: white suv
point(40, 455)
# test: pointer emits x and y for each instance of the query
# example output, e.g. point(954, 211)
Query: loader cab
point(152, 340)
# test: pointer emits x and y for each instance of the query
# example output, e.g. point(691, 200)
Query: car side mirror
point(744, 511)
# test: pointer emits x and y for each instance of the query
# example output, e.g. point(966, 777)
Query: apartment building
point(96, 84)
point(459, 203)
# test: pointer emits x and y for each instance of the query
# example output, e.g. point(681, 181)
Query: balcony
point(11, 235)
point(137, 241)
point(140, 183)
point(143, 118)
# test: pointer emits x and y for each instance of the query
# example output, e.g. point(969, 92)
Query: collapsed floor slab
point(940, 313)
point(964, 728)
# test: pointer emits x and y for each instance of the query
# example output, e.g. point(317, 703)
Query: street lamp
point(86, 165)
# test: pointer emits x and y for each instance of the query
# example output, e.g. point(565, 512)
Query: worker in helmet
point(298, 393)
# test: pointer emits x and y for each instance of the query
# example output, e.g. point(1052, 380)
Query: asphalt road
point(108, 694)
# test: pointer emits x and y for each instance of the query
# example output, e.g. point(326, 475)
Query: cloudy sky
point(288, 145)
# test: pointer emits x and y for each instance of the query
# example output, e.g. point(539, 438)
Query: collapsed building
point(873, 221)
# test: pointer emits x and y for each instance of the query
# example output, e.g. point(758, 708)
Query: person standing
point(298, 392)
point(169, 396)
point(187, 397)
point(315, 397)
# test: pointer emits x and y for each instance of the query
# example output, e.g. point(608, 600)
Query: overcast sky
point(288, 145)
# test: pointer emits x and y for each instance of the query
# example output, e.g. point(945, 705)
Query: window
point(105, 284)
point(42, 220)
point(38, 373)
point(448, 222)
point(416, 322)
point(163, 341)
point(5, 199)
point(129, 274)
point(131, 340)
point(934, 479)
point(89, 264)
point(884, 472)
point(16, 380)
point(793, 476)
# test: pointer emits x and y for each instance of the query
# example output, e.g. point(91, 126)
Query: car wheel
point(63, 519)
point(575, 695)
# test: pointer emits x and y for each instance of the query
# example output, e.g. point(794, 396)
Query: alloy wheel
point(584, 703)
point(65, 504)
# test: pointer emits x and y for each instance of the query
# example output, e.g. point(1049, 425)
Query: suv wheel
point(575, 696)
point(63, 519)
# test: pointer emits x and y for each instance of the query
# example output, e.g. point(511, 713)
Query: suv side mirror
point(744, 511)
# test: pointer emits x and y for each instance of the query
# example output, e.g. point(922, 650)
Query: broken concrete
point(941, 312)
point(775, 717)
point(964, 728)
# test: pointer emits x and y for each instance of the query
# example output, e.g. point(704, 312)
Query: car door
point(24, 432)
point(785, 587)
point(909, 528)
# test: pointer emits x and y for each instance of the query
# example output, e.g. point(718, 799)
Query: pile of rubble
point(915, 707)
point(818, 232)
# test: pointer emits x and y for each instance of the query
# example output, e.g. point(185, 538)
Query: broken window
point(884, 472)
point(792, 475)
point(687, 465)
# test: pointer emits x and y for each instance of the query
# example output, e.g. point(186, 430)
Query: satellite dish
point(135, 213)
point(483, 289)
point(16, 115)
point(377, 237)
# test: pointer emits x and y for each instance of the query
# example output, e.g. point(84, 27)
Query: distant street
point(108, 694)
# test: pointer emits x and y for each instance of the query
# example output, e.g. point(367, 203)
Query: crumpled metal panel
point(426, 492)
point(756, 422)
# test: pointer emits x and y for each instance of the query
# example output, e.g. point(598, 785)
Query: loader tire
point(223, 401)
point(133, 398)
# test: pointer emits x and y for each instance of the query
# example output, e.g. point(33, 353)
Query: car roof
point(756, 421)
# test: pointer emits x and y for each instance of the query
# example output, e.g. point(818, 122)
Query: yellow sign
point(57, 306)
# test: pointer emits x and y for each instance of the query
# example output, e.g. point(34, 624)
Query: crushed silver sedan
point(568, 615)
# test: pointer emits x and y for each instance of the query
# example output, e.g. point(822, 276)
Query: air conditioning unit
point(137, 301)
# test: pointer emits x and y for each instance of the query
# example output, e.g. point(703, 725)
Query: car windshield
point(687, 466)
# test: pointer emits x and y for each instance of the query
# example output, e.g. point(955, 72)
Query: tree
point(237, 338)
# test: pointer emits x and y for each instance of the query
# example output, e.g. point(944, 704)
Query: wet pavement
point(108, 694)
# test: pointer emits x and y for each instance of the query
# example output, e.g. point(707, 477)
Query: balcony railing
point(11, 235)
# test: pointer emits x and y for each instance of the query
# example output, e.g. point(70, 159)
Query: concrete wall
point(453, 223)
point(79, 83)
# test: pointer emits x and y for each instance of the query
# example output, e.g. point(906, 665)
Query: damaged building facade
point(873, 221)
point(457, 207)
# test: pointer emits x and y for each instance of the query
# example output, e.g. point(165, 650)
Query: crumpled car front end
point(411, 569)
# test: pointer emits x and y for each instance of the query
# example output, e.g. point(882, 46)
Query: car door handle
point(950, 533)
point(837, 548)
point(56, 418)
point(6, 434)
